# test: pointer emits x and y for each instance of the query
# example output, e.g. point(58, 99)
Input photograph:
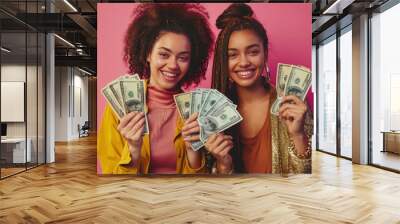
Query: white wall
point(33, 127)
point(13, 73)
point(71, 93)
point(80, 110)
point(61, 103)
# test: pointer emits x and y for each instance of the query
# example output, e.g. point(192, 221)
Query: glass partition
point(14, 153)
point(22, 64)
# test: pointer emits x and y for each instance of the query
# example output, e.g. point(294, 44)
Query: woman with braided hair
point(277, 144)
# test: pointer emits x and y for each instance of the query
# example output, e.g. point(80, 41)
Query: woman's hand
point(191, 130)
point(191, 134)
point(219, 146)
point(292, 112)
point(131, 127)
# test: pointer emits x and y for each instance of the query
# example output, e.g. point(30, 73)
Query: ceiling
point(76, 22)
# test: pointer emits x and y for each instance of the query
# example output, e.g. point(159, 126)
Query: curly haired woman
point(169, 46)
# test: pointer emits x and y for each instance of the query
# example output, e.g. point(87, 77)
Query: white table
point(16, 148)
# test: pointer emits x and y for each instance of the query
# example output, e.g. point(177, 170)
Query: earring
point(267, 75)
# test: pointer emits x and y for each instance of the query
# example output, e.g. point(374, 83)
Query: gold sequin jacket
point(284, 155)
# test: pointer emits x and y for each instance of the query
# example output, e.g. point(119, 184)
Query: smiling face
point(246, 58)
point(169, 60)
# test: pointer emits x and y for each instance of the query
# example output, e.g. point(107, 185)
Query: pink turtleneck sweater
point(162, 115)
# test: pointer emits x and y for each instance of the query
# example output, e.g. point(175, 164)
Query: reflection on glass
point(22, 73)
point(346, 94)
point(13, 84)
point(385, 85)
point(327, 96)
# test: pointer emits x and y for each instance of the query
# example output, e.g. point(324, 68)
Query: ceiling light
point(84, 71)
point(70, 5)
point(65, 41)
point(5, 50)
point(337, 7)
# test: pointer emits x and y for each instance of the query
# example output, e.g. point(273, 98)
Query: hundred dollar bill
point(204, 94)
point(282, 77)
point(197, 145)
point(115, 87)
point(128, 77)
point(219, 120)
point(183, 102)
point(135, 77)
point(219, 104)
point(223, 96)
point(196, 98)
point(212, 98)
point(275, 106)
point(195, 101)
point(133, 97)
point(298, 82)
point(108, 94)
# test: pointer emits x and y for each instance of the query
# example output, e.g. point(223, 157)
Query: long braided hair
point(238, 16)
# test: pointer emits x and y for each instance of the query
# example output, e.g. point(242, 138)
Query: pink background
point(288, 28)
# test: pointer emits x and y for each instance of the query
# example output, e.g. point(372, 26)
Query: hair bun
point(234, 11)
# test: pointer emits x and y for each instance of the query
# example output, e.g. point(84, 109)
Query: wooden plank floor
point(69, 191)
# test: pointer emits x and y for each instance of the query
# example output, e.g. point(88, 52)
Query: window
point(326, 96)
point(346, 92)
point(385, 88)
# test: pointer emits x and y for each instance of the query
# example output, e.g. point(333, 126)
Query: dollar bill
point(204, 94)
point(133, 97)
point(108, 94)
point(183, 103)
point(275, 106)
point(219, 120)
point(298, 82)
point(219, 104)
point(222, 96)
point(195, 101)
point(282, 77)
point(196, 145)
point(135, 77)
point(212, 98)
point(295, 80)
point(115, 87)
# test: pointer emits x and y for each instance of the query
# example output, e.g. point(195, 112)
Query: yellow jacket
point(114, 155)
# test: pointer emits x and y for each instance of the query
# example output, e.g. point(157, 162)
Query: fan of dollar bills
point(126, 94)
point(291, 80)
point(216, 112)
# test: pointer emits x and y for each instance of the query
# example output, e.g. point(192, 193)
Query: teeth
point(169, 74)
point(245, 73)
